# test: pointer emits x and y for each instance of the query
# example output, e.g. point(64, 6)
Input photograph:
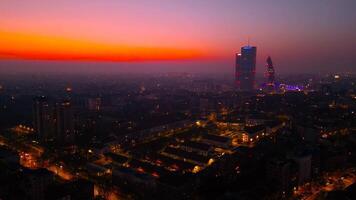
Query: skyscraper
point(270, 74)
point(246, 68)
point(64, 122)
point(42, 118)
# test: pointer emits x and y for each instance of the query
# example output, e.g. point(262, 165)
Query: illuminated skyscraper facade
point(246, 68)
point(270, 72)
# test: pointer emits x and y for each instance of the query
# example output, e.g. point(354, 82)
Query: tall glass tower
point(246, 68)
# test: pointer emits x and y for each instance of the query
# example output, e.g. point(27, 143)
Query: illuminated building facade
point(246, 68)
point(270, 72)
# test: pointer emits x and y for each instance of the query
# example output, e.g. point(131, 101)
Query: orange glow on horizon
point(43, 47)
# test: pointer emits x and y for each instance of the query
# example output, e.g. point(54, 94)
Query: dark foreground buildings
point(42, 119)
point(180, 139)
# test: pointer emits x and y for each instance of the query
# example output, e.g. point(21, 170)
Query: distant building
point(64, 122)
point(198, 147)
point(326, 89)
point(308, 132)
point(270, 74)
point(94, 104)
point(217, 140)
point(253, 132)
point(42, 118)
point(246, 68)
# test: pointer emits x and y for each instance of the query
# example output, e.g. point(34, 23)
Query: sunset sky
point(177, 35)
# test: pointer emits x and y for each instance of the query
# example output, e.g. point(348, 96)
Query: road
point(334, 181)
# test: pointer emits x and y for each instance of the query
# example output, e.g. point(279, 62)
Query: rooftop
point(186, 155)
point(216, 138)
point(197, 145)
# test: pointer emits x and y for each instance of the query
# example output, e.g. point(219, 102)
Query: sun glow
point(44, 47)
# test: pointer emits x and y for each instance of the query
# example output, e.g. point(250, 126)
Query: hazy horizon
point(147, 67)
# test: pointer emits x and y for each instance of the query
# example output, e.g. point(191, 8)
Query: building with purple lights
point(270, 71)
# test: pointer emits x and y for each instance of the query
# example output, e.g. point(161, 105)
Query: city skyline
point(160, 36)
point(177, 99)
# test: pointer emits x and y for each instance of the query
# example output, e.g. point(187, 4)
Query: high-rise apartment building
point(246, 68)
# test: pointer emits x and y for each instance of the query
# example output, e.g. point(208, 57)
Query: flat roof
point(216, 138)
point(197, 145)
point(187, 155)
point(254, 129)
point(168, 161)
point(116, 157)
